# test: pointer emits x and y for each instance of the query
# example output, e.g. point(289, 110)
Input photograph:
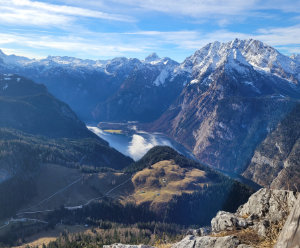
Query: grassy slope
point(165, 179)
point(183, 189)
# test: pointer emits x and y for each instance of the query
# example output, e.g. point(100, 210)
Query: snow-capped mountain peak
point(239, 54)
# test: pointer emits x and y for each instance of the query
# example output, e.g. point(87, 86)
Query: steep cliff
point(276, 160)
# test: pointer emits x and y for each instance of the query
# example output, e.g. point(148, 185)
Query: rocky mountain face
point(276, 160)
point(106, 90)
point(236, 94)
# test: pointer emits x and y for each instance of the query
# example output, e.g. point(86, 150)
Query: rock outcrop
point(290, 235)
point(225, 221)
point(272, 205)
point(253, 223)
point(206, 241)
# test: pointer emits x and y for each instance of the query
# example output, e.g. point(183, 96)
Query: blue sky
point(102, 29)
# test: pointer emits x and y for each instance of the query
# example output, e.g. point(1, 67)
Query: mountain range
point(234, 105)
point(56, 170)
point(221, 103)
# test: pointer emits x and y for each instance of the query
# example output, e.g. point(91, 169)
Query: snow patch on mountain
point(160, 80)
point(241, 56)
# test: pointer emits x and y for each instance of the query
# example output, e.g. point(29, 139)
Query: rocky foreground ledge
point(256, 223)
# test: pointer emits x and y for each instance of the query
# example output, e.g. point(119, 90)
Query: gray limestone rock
point(290, 234)
point(208, 242)
point(269, 204)
point(225, 221)
point(199, 232)
point(262, 227)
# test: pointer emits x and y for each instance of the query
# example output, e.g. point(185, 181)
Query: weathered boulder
point(208, 242)
point(225, 221)
point(200, 231)
point(290, 234)
point(272, 205)
point(127, 246)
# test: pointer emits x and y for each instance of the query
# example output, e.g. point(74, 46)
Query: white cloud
point(194, 7)
point(280, 36)
point(277, 37)
point(26, 12)
point(102, 46)
point(138, 44)
point(140, 145)
point(31, 17)
point(204, 8)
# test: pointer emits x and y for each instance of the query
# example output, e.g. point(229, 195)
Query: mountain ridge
point(221, 102)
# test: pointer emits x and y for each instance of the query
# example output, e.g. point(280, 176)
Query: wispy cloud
point(26, 12)
point(193, 8)
point(204, 8)
point(100, 45)
point(133, 28)
point(280, 36)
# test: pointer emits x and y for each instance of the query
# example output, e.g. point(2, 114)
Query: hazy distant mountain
point(144, 95)
point(93, 88)
point(29, 107)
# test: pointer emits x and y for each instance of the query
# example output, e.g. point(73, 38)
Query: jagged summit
point(238, 54)
point(152, 57)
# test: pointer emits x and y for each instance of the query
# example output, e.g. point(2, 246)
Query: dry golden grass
point(250, 237)
point(164, 246)
point(113, 131)
point(245, 216)
point(272, 235)
point(163, 180)
point(246, 236)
